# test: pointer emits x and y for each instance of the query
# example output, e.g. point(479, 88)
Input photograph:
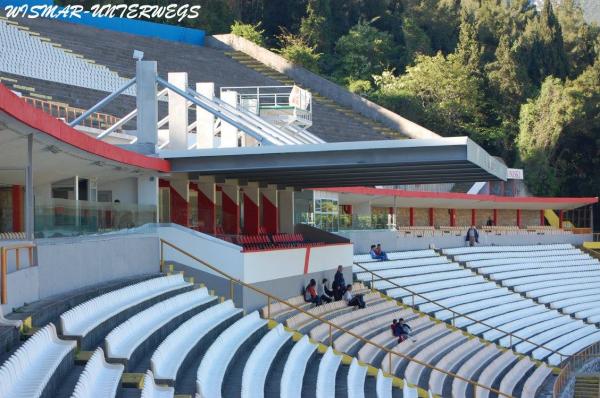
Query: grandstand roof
point(72, 151)
point(450, 200)
point(389, 162)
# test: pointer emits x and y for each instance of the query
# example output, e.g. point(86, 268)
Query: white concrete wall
point(73, 263)
point(22, 287)
point(393, 241)
point(124, 190)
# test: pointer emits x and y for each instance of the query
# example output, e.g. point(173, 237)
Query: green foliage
point(363, 52)
point(360, 87)
point(296, 50)
point(249, 32)
point(315, 27)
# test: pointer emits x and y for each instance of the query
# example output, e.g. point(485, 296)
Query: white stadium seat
point(259, 362)
point(221, 352)
point(383, 386)
point(170, 354)
point(492, 371)
point(356, 380)
point(28, 370)
point(122, 341)
point(515, 374)
point(295, 367)
point(492, 249)
point(470, 367)
point(328, 368)
point(397, 255)
point(152, 390)
point(449, 361)
point(99, 378)
point(535, 381)
point(83, 318)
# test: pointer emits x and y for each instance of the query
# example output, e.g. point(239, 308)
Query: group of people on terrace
point(322, 293)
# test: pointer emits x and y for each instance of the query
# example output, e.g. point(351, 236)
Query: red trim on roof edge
point(45, 123)
point(459, 196)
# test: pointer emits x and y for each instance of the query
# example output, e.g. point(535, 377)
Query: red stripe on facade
point(250, 216)
point(35, 118)
point(270, 220)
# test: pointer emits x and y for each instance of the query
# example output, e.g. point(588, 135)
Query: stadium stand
point(99, 378)
point(330, 121)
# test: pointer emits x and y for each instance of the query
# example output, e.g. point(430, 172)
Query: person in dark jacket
point(472, 236)
point(403, 330)
point(353, 300)
point(339, 284)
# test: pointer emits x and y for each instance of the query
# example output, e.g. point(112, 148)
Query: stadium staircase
point(114, 51)
point(587, 386)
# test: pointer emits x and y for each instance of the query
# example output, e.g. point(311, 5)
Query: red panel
point(306, 260)
point(411, 214)
point(452, 217)
point(40, 120)
point(518, 217)
point(560, 219)
point(231, 215)
point(17, 208)
point(206, 214)
point(495, 216)
point(251, 220)
point(431, 220)
point(179, 206)
point(473, 217)
point(270, 216)
point(542, 218)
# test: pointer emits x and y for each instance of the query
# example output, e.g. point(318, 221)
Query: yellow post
point(268, 307)
point(330, 336)
point(18, 258)
point(390, 362)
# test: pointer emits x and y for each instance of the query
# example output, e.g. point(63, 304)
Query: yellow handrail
point(572, 364)
point(332, 326)
point(4, 264)
point(454, 313)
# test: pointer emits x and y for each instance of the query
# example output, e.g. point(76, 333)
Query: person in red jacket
point(311, 295)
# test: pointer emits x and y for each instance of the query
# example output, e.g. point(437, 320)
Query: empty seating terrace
point(430, 231)
point(265, 241)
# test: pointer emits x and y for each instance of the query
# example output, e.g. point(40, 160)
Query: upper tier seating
point(29, 370)
point(99, 378)
point(123, 340)
point(82, 319)
point(170, 354)
point(152, 390)
point(211, 371)
point(257, 366)
point(25, 54)
point(472, 299)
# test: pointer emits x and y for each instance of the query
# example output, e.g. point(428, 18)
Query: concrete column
point(207, 199)
point(269, 203)
point(230, 205)
point(147, 105)
point(228, 131)
point(178, 112)
point(205, 121)
point(17, 208)
point(286, 211)
point(251, 209)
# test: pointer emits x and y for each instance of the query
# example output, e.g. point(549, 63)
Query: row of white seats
point(576, 255)
point(497, 255)
point(490, 249)
point(409, 263)
point(123, 340)
point(400, 255)
point(99, 378)
point(27, 371)
point(536, 265)
point(32, 51)
point(82, 319)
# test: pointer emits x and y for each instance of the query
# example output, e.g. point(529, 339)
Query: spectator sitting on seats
point(394, 327)
point(403, 330)
point(324, 292)
point(381, 253)
point(489, 222)
point(311, 295)
point(339, 284)
point(472, 236)
point(353, 300)
point(377, 254)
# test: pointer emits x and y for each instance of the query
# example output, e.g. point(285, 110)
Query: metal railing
point(69, 113)
point(572, 364)
point(17, 247)
point(271, 299)
point(457, 314)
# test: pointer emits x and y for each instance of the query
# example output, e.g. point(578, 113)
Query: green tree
point(545, 47)
point(315, 27)
point(416, 40)
point(468, 51)
point(249, 32)
point(296, 50)
point(363, 52)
